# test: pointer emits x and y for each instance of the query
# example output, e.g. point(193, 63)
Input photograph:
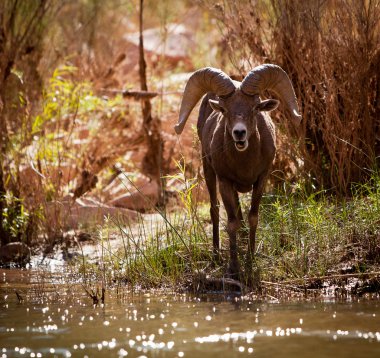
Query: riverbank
point(307, 246)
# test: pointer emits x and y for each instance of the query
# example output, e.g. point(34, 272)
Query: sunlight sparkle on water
point(180, 327)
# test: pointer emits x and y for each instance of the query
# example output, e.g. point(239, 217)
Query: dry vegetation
point(331, 49)
point(71, 113)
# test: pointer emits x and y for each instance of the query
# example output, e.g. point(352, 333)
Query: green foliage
point(46, 140)
point(186, 187)
point(65, 97)
point(15, 218)
point(67, 104)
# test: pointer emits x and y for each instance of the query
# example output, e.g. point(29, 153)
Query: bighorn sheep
point(237, 139)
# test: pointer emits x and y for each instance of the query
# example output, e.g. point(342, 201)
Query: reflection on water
point(61, 321)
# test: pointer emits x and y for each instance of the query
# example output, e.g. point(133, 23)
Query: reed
point(299, 235)
point(330, 51)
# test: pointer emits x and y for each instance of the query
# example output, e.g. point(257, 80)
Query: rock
point(82, 212)
point(91, 215)
point(174, 46)
point(14, 252)
point(125, 182)
point(141, 198)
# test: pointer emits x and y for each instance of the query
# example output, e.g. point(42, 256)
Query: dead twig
point(282, 285)
point(94, 295)
point(330, 277)
point(102, 298)
point(19, 297)
point(138, 95)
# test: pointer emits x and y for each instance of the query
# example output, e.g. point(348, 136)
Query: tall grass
point(160, 249)
point(299, 236)
point(315, 235)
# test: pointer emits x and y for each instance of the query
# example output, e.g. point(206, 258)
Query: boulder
point(141, 198)
point(69, 214)
point(175, 45)
point(14, 252)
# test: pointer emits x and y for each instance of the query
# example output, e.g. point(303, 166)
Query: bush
point(330, 51)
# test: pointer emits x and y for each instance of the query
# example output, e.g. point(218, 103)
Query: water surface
point(59, 320)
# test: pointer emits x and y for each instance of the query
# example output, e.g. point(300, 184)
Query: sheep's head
point(241, 112)
point(240, 101)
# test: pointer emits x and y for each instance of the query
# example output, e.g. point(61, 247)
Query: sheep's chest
point(242, 169)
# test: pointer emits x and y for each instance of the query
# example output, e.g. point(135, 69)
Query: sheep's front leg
point(210, 178)
point(231, 203)
point(253, 216)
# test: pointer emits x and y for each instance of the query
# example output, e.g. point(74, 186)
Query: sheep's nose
point(239, 133)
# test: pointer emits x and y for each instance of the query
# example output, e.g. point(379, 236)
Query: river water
point(54, 319)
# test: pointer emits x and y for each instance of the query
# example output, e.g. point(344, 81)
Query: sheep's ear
point(216, 106)
point(267, 105)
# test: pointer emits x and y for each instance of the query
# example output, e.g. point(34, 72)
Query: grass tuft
point(300, 236)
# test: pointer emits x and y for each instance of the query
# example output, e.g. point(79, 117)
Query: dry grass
point(330, 49)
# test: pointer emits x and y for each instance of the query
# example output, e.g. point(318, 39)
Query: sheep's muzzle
point(241, 145)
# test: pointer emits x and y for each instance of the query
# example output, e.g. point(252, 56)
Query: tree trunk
point(152, 161)
point(3, 145)
point(3, 235)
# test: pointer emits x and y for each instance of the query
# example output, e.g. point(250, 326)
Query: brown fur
point(235, 171)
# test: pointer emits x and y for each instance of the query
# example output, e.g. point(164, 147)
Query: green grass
point(160, 249)
point(299, 236)
point(316, 235)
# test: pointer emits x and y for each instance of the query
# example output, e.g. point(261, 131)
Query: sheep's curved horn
point(272, 77)
point(205, 80)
